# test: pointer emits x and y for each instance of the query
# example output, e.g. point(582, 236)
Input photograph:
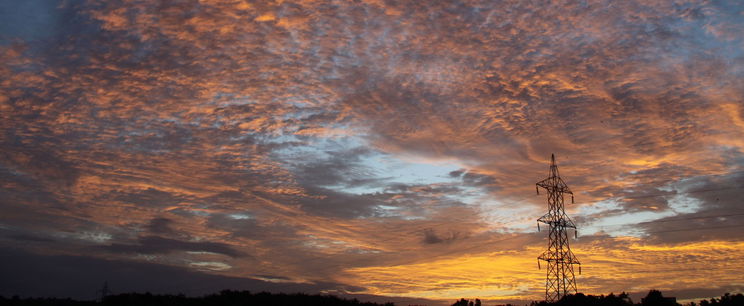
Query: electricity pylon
point(559, 280)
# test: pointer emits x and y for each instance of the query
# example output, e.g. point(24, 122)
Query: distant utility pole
point(104, 291)
point(560, 279)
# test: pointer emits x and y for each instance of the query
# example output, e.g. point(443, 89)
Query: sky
point(380, 149)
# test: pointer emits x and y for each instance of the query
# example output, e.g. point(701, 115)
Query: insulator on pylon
point(539, 268)
point(537, 190)
point(576, 234)
point(579, 270)
point(538, 226)
point(572, 200)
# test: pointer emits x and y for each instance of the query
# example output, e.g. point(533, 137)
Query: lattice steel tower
point(560, 279)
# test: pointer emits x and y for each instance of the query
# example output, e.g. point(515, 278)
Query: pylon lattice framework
point(560, 279)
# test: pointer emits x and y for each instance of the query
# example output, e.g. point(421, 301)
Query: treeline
point(653, 298)
point(243, 298)
point(224, 298)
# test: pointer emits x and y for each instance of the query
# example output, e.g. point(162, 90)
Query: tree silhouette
point(464, 302)
point(224, 298)
point(242, 298)
point(655, 298)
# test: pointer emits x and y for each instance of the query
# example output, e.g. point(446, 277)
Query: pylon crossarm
point(554, 188)
point(548, 219)
point(567, 223)
point(554, 184)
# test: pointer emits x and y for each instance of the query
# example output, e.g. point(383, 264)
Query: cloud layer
point(367, 145)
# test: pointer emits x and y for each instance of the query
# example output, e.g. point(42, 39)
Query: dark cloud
point(160, 226)
point(327, 202)
point(80, 276)
point(247, 226)
point(160, 245)
point(340, 168)
point(431, 237)
point(31, 20)
point(29, 238)
point(477, 179)
point(457, 173)
point(40, 163)
point(149, 197)
point(717, 213)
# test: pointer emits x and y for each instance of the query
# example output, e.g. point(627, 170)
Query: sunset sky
point(371, 148)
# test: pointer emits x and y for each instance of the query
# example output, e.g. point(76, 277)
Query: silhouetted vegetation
point(15, 300)
point(653, 298)
point(464, 302)
point(725, 300)
point(580, 299)
point(224, 298)
point(244, 298)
